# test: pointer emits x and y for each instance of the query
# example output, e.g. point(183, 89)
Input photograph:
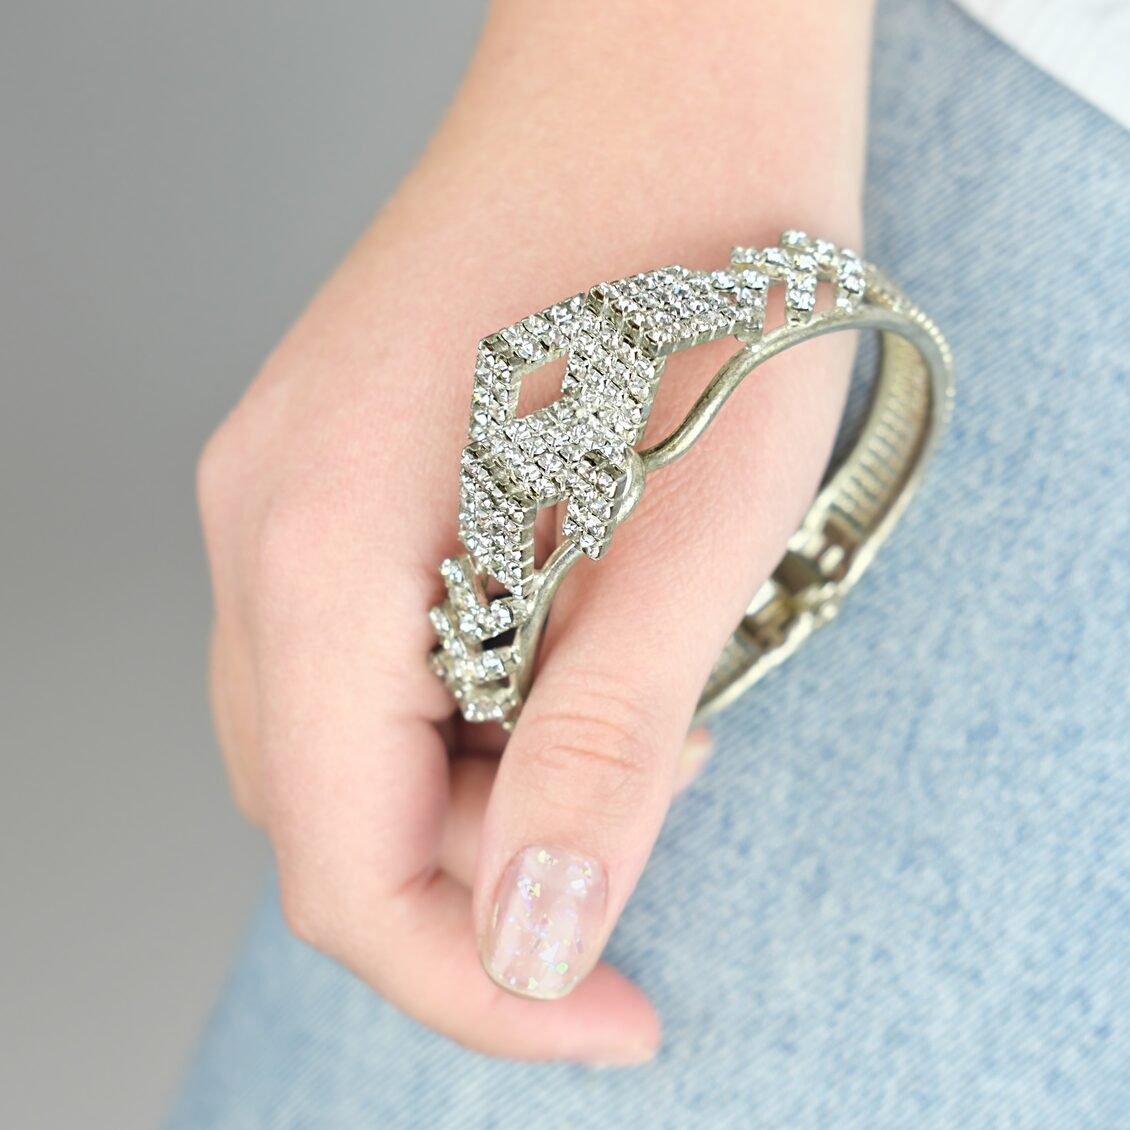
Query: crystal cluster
point(801, 263)
point(591, 513)
point(672, 308)
point(463, 623)
point(496, 518)
point(616, 337)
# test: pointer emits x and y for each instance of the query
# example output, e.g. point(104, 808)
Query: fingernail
point(546, 918)
point(695, 752)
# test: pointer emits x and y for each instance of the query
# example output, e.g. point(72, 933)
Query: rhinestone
point(825, 253)
point(775, 258)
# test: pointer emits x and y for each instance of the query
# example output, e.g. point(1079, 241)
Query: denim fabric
point(899, 896)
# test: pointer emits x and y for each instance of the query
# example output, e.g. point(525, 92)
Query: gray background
point(175, 179)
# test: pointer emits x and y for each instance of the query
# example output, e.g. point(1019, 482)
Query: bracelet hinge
point(805, 590)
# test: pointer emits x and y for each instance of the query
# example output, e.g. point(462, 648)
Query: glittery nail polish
point(540, 940)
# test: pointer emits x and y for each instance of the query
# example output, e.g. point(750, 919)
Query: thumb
point(586, 779)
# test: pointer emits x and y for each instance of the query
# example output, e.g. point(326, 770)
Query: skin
point(577, 149)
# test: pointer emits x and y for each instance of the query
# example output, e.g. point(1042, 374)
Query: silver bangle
point(581, 449)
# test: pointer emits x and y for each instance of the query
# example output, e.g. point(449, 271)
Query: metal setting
point(582, 450)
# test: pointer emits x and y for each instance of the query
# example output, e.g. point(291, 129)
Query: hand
point(329, 497)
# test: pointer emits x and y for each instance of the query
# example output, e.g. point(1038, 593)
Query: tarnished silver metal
point(583, 449)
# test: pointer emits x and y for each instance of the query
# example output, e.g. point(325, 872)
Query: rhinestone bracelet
point(581, 449)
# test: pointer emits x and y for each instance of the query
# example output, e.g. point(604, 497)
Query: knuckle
point(214, 475)
point(600, 741)
point(302, 913)
point(247, 800)
point(244, 783)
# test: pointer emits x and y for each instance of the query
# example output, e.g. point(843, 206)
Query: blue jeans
point(904, 879)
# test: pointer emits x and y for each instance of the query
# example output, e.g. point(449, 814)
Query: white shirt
point(1083, 43)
